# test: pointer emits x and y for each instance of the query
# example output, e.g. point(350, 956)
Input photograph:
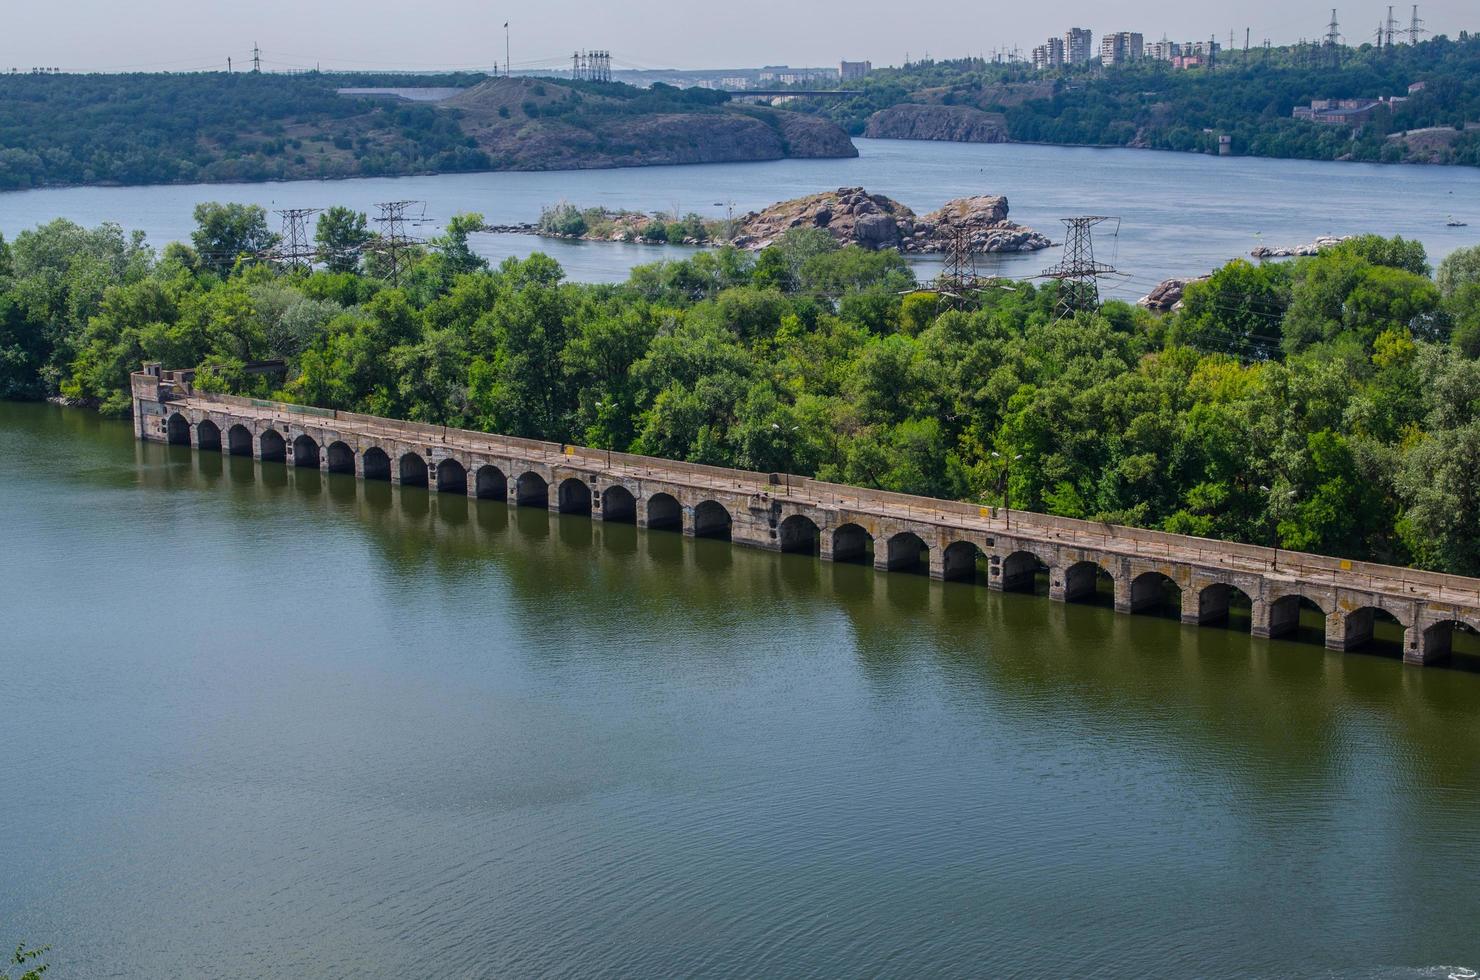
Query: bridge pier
point(1348, 631)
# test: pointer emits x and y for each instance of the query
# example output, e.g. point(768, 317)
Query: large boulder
point(853, 216)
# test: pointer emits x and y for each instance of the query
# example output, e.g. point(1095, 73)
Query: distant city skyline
point(92, 35)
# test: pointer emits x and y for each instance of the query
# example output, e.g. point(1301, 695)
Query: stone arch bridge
point(1143, 570)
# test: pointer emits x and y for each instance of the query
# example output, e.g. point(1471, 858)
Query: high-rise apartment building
point(1118, 49)
point(1079, 46)
point(1049, 54)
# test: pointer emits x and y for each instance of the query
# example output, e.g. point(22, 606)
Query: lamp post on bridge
point(1274, 525)
point(1007, 484)
point(775, 427)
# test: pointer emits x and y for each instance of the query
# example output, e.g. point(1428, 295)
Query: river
point(268, 724)
point(1179, 213)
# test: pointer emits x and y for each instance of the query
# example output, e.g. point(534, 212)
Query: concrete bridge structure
point(780, 512)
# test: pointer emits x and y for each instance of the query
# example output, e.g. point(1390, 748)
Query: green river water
point(260, 724)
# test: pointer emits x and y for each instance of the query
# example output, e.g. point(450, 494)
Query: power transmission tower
point(1389, 29)
point(1333, 41)
point(394, 241)
point(959, 280)
point(256, 59)
point(1415, 28)
point(295, 249)
point(1077, 272)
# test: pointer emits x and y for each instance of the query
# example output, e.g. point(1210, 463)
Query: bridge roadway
point(1146, 569)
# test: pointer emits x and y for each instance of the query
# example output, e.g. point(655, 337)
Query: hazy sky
point(194, 34)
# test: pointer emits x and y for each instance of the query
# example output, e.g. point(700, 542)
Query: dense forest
point(1331, 404)
point(163, 128)
point(1250, 98)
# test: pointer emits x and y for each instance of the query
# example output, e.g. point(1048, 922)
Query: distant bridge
point(837, 523)
point(789, 92)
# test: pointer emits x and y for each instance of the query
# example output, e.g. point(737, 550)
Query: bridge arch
point(274, 447)
point(377, 464)
point(1285, 611)
point(906, 552)
point(177, 430)
point(239, 440)
point(1437, 640)
point(711, 520)
point(1088, 581)
point(1216, 603)
point(305, 452)
point(798, 534)
point(664, 512)
point(618, 505)
point(489, 483)
point(1373, 628)
point(1157, 593)
point(959, 561)
point(208, 436)
point(1019, 571)
point(574, 496)
point(452, 477)
point(413, 470)
point(341, 458)
point(531, 490)
point(852, 543)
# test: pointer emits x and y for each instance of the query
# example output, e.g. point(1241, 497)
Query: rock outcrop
point(958, 123)
point(1290, 251)
point(855, 217)
point(539, 124)
point(1167, 296)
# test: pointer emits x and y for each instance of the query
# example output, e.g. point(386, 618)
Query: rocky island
point(851, 215)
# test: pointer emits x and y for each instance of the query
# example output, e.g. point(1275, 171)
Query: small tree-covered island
point(1328, 404)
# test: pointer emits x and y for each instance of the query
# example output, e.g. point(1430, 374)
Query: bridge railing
point(1145, 543)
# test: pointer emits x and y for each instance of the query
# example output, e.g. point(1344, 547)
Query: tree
point(341, 234)
point(1461, 268)
point(28, 958)
point(1440, 480)
point(1237, 310)
point(227, 233)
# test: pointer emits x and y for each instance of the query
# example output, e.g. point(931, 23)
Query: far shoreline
point(402, 175)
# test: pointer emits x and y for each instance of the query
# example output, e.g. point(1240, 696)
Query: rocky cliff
point(855, 217)
point(528, 124)
point(957, 123)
